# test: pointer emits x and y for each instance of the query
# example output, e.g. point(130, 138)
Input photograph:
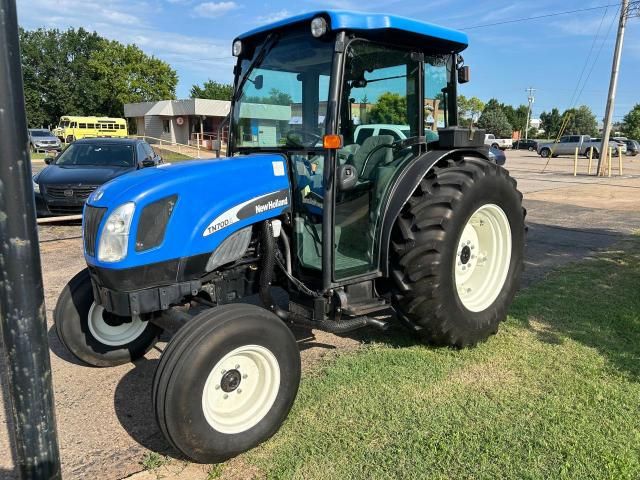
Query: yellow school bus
point(75, 128)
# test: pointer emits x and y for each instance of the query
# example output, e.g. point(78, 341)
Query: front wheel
point(545, 153)
point(457, 252)
point(95, 336)
point(226, 382)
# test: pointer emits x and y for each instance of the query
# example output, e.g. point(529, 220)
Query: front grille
point(91, 222)
point(65, 209)
point(70, 192)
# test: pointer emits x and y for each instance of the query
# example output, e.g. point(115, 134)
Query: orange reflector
point(332, 141)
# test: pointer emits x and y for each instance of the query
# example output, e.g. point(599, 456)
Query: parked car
point(497, 155)
point(568, 143)
point(633, 147)
point(64, 185)
point(490, 140)
point(42, 140)
point(398, 132)
point(530, 145)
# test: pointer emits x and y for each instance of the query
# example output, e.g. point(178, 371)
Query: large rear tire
point(93, 335)
point(226, 382)
point(457, 252)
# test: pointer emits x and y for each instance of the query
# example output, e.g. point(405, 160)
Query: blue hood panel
point(215, 198)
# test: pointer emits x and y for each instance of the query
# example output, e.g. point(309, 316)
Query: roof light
point(237, 48)
point(319, 27)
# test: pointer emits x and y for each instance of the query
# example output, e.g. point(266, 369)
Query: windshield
point(64, 123)
point(40, 133)
point(269, 110)
point(112, 155)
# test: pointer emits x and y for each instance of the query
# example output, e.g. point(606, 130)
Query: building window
point(166, 127)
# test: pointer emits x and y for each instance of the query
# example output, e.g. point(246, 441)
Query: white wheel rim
point(231, 407)
point(114, 335)
point(482, 258)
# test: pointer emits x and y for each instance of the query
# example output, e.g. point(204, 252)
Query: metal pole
point(22, 311)
point(613, 84)
point(530, 99)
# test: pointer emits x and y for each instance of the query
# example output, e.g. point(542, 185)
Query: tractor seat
point(382, 156)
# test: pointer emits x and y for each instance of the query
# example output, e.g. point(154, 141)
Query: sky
point(561, 56)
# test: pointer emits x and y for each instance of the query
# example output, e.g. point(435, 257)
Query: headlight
point(115, 234)
point(36, 186)
point(237, 48)
point(318, 27)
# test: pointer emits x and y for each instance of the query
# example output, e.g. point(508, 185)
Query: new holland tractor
point(347, 225)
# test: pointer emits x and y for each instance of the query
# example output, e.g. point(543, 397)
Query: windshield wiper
point(266, 47)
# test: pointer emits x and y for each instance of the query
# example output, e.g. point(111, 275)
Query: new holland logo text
point(261, 204)
point(278, 202)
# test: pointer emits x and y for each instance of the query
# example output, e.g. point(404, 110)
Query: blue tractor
point(423, 223)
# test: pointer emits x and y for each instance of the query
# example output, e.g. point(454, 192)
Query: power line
point(526, 19)
point(595, 60)
point(586, 62)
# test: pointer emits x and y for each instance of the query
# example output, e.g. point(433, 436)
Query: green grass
point(153, 461)
point(556, 394)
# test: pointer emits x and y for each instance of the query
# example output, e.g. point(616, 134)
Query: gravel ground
point(105, 419)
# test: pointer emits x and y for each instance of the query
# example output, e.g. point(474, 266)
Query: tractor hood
point(213, 199)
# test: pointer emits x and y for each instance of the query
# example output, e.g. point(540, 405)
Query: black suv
point(68, 180)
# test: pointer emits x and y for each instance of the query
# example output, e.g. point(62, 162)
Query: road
point(105, 419)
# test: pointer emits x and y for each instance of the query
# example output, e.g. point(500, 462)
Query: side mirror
point(49, 160)
point(464, 74)
point(347, 177)
point(148, 162)
point(258, 82)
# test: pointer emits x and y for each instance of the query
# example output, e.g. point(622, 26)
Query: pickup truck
point(568, 143)
point(490, 140)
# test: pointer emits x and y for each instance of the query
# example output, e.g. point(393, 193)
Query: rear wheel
point(95, 336)
point(495, 145)
point(457, 252)
point(226, 382)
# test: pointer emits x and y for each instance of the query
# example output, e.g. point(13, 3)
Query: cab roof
point(404, 30)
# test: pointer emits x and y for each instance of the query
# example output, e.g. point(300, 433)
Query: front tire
point(93, 335)
point(226, 382)
point(457, 252)
point(545, 153)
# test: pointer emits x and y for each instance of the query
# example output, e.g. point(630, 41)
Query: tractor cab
point(307, 87)
point(348, 186)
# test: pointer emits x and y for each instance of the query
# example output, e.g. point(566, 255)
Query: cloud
point(215, 9)
point(273, 17)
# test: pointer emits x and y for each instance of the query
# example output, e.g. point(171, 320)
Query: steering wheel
point(298, 138)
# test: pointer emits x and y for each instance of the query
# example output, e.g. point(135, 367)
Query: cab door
point(381, 88)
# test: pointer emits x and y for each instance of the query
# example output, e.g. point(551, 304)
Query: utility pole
point(613, 85)
point(23, 325)
point(531, 98)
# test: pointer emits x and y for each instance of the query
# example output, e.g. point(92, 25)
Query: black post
point(22, 312)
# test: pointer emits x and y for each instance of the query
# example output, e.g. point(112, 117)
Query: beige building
point(177, 121)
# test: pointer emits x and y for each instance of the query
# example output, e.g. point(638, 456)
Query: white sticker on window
point(278, 169)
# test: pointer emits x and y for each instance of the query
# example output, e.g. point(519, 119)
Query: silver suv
point(42, 140)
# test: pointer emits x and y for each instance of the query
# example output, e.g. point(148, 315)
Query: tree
point(494, 121)
point(390, 108)
point(581, 121)
point(517, 116)
point(469, 110)
point(551, 122)
point(212, 90)
point(276, 97)
point(631, 123)
point(127, 75)
point(76, 72)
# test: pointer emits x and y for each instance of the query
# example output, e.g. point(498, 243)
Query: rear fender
point(404, 186)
